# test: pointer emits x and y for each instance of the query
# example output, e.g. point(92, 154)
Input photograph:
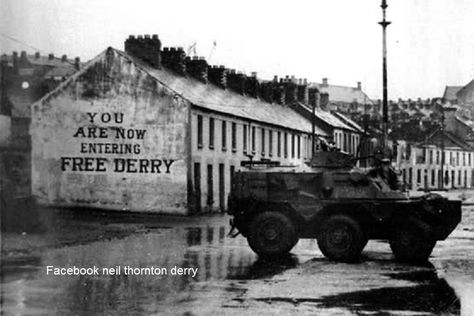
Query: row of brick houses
point(150, 129)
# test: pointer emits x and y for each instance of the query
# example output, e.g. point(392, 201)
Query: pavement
point(230, 278)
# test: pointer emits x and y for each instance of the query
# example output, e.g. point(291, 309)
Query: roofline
point(205, 109)
point(124, 55)
point(351, 129)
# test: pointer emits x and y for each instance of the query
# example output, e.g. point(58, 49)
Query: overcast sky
point(430, 42)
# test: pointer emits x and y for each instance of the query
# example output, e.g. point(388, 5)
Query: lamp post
point(384, 23)
point(442, 148)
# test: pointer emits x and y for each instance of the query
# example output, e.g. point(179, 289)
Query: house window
point(469, 159)
point(199, 131)
point(423, 157)
point(463, 159)
point(234, 136)
point(263, 141)
point(224, 135)
point(418, 176)
point(253, 139)
point(433, 173)
point(245, 139)
point(292, 145)
point(431, 156)
point(408, 151)
point(211, 133)
point(285, 145)
point(270, 143)
point(437, 157)
point(410, 175)
point(457, 159)
point(459, 178)
point(298, 139)
point(210, 186)
point(279, 144)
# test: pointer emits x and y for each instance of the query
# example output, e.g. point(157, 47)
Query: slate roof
point(450, 140)
point(326, 117)
point(213, 98)
point(348, 121)
point(43, 61)
point(450, 92)
point(342, 93)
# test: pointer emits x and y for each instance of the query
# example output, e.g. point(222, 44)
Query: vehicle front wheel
point(272, 234)
point(411, 242)
point(341, 239)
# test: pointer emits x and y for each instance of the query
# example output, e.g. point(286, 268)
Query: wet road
point(232, 280)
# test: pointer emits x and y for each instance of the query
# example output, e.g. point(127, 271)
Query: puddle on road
point(219, 259)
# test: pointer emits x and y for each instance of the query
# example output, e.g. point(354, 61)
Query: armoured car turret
point(340, 206)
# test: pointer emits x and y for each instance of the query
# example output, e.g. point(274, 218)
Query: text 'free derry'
point(121, 270)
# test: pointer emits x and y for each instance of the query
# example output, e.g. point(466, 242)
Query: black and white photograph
point(251, 157)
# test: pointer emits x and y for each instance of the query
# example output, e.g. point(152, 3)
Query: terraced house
point(153, 130)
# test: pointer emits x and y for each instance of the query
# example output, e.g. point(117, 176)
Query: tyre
point(341, 239)
point(272, 234)
point(411, 242)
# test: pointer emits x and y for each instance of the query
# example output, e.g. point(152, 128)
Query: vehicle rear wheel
point(341, 239)
point(412, 242)
point(272, 234)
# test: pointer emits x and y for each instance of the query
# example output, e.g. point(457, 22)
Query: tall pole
point(442, 148)
point(384, 25)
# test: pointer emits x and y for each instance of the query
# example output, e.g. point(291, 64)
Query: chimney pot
point(275, 78)
point(140, 37)
point(325, 81)
point(51, 56)
point(147, 36)
point(64, 58)
point(254, 74)
point(359, 85)
point(23, 54)
point(155, 36)
point(77, 62)
point(37, 55)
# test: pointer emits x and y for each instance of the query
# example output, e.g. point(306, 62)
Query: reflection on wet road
point(230, 279)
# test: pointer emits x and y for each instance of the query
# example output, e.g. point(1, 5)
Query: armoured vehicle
point(341, 207)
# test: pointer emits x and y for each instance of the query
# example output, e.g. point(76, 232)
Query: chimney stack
point(252, 86)
point(147, 49)
point(77, 63)
point(359, 85)
point(37, 55)
point(51, 56)
point(291, 90)
point(303, 91)
point(266, 90)
point(15, 62)
point(325, 82)
point(64, 58)
point(279, 92)
point(218, 76)
point(236, 81)
point(174, 59)
point(197, 68)
point(313, 97)
point(324, 101)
